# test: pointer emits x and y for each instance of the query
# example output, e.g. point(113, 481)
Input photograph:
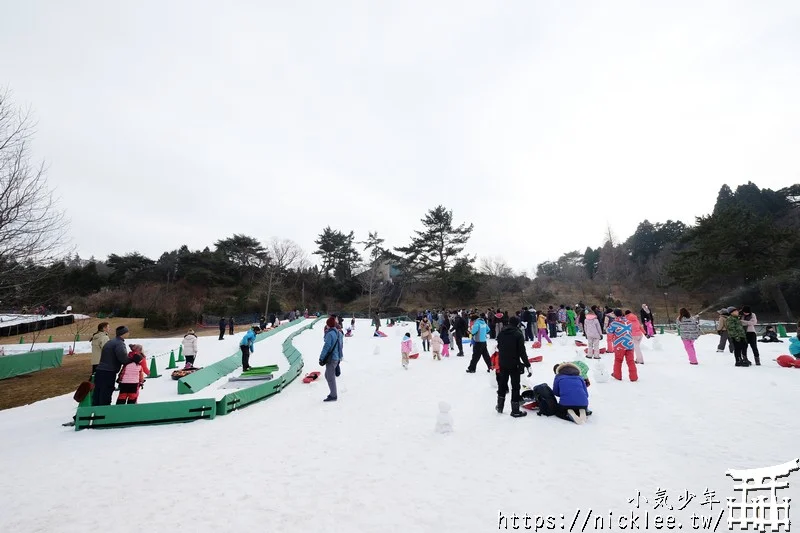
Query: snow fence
point(29, 362)
point(111, 416)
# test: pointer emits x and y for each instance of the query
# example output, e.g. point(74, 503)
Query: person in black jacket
point(527, 318)
point(460, 330)
point(552, 321)
point(231, 325)
point(112, 358)
point(222, 325)
point(512, 360)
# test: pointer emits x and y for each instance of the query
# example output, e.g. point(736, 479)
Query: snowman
point(444, 420)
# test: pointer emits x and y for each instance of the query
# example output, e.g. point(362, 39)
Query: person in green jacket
point(737, 335)
point(570, 322)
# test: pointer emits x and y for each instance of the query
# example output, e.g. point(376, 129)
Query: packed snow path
point(372, 461)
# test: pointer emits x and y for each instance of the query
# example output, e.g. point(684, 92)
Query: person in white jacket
point(190, 348)
point(594, 333)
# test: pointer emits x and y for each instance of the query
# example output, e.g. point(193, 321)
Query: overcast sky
point(166, 123)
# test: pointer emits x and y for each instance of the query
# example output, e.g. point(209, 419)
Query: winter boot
point(470, 371)
point(515, 412)
point(758, 360)
point(501, 402)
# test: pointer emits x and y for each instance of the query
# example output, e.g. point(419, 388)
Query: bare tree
point(370, 279)
point(78, 327)
point(281, 254)
point(32, 227)
point(500, 277)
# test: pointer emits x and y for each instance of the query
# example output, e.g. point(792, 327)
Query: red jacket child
point(131, 377)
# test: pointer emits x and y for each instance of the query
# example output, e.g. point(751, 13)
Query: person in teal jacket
point(480, 331)
point(247, 345)
point(794, 346)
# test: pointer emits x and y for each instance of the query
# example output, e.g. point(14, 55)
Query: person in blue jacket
point(330, 356)
point(573, 396)
point(480, 332)
point(247, 345)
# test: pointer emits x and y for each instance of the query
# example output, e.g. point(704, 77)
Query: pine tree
point(434, 251)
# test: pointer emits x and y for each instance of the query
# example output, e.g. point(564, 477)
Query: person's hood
point(591, 316)
point(568, 369)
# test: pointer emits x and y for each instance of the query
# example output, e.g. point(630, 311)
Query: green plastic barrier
point(29, 362)
point(244, 397)
point(197, 381)
point(113, 416)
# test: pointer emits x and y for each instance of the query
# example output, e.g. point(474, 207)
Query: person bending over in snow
point(573, 396)
point(512, 361)
point(770, 335)
point(436, 346)
point(131, 377)
point(405, 349)
point(247, 346)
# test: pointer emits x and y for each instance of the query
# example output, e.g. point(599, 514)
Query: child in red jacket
point(131, 377)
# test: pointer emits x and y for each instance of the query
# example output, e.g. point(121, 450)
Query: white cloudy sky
point(170, 123)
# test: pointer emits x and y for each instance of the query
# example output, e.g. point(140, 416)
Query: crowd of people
point(441, 331)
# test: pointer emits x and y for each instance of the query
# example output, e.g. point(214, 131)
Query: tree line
point(746, 249)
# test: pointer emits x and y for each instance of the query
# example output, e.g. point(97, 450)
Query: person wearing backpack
point(570, 387)
point(512, 360)
point(738, 336)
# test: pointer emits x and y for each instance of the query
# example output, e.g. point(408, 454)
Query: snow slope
point(372, 462)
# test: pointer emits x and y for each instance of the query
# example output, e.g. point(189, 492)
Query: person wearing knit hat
point(331, 355)
point(722, 331)
point(112, 358)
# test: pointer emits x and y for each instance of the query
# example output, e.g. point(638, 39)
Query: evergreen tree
point(435, 250)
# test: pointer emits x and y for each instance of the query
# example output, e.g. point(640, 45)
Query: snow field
point(372, 461)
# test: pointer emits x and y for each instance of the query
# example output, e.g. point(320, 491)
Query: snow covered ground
point(372, 461)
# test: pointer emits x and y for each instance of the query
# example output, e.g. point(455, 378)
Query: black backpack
point(546, 400)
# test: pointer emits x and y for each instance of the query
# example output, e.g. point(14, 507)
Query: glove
point(529, 372)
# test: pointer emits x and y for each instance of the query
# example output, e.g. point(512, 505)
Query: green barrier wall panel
point(29, 362)
point(112, 416)
point(242, 398)
point(197, 381)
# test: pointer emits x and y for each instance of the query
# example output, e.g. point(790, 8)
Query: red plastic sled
point(536, 345)
point(537, 359)
point(579, 343)
point(603, 350)
point(787, 361)
point(311, 376)
point(413, 356)
point(531, 406)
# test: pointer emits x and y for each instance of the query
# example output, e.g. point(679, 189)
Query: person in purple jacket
point(573, 396)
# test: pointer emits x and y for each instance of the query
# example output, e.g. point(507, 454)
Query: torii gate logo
point(761, 512)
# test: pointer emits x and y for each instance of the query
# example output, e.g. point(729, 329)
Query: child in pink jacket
point(638, 334)
point(405, 349)
point(436, 346)
point(131, 377)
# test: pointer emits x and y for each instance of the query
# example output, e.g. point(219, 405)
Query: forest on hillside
point(746, 249)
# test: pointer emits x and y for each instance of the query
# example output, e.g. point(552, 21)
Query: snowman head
point(444, 407)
